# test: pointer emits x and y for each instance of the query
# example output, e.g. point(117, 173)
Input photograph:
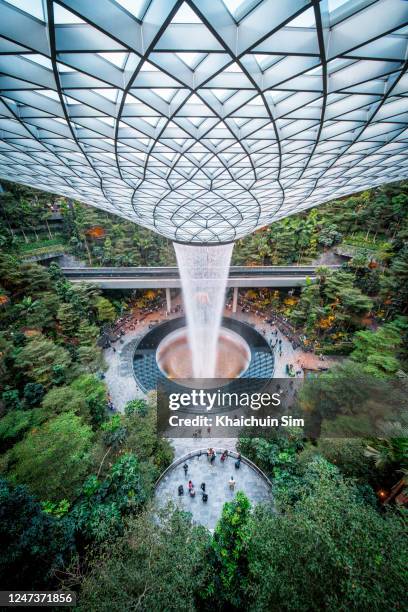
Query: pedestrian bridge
point(168, 277)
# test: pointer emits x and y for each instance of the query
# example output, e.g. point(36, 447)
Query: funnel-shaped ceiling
point(203, 120)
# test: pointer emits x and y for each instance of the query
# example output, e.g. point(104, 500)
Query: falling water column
point(204, 274)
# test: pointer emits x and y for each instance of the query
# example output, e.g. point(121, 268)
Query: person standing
point(232, 483)
point(185, 468)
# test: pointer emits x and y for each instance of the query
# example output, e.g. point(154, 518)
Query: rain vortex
point(204, 274)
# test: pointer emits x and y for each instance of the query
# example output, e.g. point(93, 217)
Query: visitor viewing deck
point(168, 277)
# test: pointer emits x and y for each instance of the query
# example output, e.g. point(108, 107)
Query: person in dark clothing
point(202, 486)
point(185, 468)
point(181, 490)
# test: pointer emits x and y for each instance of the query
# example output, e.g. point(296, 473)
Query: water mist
point(204, 274)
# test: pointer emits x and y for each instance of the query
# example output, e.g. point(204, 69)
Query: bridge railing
point(218, 451)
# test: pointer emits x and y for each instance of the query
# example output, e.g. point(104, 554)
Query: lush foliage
point(77, 480)
point(227, 555)
point(106, 240)
point(367, 234)
point(89, 472)
point(329, 551)
point(53, 458)
point(157, 565)
point(34, 545)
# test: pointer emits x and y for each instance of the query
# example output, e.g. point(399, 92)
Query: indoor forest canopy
point(267, 134)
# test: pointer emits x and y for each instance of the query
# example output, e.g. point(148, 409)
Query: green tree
point(102, 506)
point(38, 313)
point(329, 236)
point(395, 283)
point(387, 452)
point(347, 454)
point(273, 455)
point(39, 357)
point(23, 278)
point(141, 435)
point(34, 545)
point(53, 458)
point(137, 406)
point(228, 553)
point(33, 394)
point(82, 297)
point(347, 401)
point(65, 399)
point(378, 351)
point(68, 320)
point(156, 565)
point(106, 311)
point(11, 399)
point(87, 333)
point(15, 424)
point(91, 358)
point(93, 391)
point(331, 551)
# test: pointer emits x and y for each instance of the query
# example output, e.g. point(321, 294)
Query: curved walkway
point(123, 388)
point(248, 478)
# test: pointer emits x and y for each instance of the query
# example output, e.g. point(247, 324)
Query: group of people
point(211, 455)
point(178, 308)
point(191, 489)
point(278, 344)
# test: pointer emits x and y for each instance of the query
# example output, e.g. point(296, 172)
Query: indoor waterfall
point(204, 274)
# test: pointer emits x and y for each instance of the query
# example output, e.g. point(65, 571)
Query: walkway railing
point(203, 451)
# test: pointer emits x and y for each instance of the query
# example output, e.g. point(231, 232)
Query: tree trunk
point(48, 228)
point(395, 490)
point(88, 251)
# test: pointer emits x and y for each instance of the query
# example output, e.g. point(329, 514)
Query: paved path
point(119, 359)
point(123, 388)
point(216, 479)
point(119, 375)
point(289, 355)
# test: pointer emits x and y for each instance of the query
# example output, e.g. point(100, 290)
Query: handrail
point(203, 451)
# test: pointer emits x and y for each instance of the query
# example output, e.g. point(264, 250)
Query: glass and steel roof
point(203, 120)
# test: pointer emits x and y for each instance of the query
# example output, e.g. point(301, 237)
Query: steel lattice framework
point(203, 119)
